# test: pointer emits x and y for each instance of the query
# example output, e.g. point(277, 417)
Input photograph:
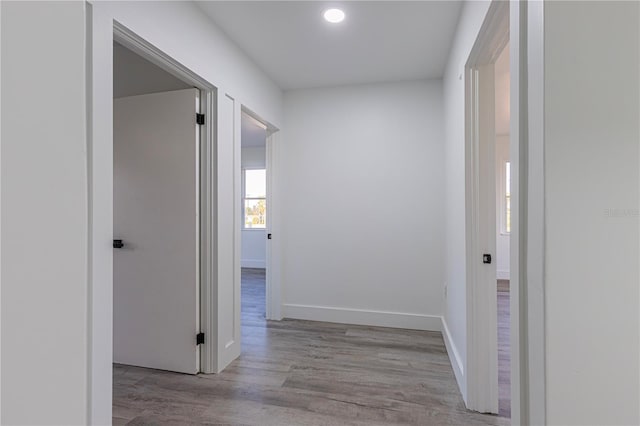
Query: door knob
point(118, 244)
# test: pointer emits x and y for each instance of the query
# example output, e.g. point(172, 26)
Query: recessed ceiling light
point(334, 15)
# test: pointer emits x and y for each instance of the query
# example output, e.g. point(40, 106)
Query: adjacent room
point(253, 257)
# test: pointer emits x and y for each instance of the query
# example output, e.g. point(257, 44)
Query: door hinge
point(200, 119)
point(199, 338)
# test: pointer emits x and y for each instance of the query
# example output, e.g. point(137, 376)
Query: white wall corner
point(455, 358)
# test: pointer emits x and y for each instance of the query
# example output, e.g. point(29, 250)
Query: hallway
point(304, 373)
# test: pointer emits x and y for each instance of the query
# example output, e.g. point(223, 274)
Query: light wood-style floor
point(304, 373)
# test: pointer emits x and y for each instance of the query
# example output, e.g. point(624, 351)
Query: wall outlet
point(445, 290)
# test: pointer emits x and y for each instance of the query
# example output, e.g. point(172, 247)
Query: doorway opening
point(157, 133)
point(503, 227)
point(491, 307)
point(254, 222)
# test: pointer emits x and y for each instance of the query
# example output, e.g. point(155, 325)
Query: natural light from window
point(507, 198)
point(255, 194)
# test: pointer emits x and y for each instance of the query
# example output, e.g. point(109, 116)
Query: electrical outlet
point(445, 290)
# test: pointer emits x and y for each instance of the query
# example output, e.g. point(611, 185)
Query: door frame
point(222, 329)
point(206, 187)
point(522, 25)
point(482, 321)
point(272, 270)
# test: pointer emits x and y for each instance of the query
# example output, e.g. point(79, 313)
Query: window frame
point(244, 197)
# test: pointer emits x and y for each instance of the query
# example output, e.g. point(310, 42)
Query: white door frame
point(206, 187)
point(521, 24)
point(527, 249)
point(482, 323)
point(272, 257)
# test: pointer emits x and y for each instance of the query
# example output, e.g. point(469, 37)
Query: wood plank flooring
point(304, 373)
point(504, 350)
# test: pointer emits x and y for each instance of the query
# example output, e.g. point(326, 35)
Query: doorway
point(156, 199)
point(503, 227)
point(254, 222)
point(488, 233)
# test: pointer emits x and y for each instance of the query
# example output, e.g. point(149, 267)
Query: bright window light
point(334, 15)
point(255, 198)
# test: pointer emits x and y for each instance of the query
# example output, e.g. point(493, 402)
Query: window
point(505, 196)
point(254, 198)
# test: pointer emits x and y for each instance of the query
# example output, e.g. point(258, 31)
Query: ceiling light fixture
point(334, 15)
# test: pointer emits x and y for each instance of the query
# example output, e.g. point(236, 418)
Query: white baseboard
point(363, 317)
point(455, 359)
point(503, 275)
point(253, 263)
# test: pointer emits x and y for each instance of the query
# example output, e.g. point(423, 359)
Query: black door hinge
point(199, 338)
point(200, 119)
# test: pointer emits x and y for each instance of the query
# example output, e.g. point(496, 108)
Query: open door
point(272, 276)
point(156, 215)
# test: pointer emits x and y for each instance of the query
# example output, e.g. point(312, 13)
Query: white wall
point(360, 175)
point(180, 30)
point(185, 33)
point(591, 142)
point(254, 242)
point(455, 307)
point(44, 214)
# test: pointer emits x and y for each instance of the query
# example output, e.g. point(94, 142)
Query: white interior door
point(155, 197)
point(272, 276)
point(269, 230)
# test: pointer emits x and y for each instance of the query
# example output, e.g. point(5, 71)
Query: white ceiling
point(253, 133)
point(378, 41)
